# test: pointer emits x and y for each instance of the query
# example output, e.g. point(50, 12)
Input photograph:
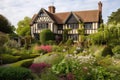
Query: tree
point(24, 27)
point(5, 25)
point(114, 17)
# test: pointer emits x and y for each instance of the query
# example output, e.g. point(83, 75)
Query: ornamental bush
point(43, 49)
point(107, 51)
point(46, 35)
point(15, 73)
point(7, 58)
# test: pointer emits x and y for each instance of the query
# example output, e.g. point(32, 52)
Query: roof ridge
point(74, 11)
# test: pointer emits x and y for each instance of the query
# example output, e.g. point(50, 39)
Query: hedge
point(15, 73)
point(7, 58)
point(46, 35)
point(23, 63)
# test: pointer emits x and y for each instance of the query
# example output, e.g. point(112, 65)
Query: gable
point(43, 18)
point(71, 19)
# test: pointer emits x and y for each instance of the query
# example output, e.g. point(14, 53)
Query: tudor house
point(57, 22)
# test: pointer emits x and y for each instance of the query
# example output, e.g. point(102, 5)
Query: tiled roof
point(61, 17)
point(88, 16)
point(84, 16)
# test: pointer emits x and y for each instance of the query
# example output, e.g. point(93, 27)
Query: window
point(73, 26)
point(42, 14)
point(88, 25)
point(74, 37)
point(60, 27)
point(42, 26)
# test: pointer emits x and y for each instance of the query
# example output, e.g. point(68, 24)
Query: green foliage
point(5, 25)
point(12, 44)
point(65, 34)
point(24, 27)
point(116, 50)
point(7, 58)
point(50, 75)
point(100, 73)
point(106, 35)
point(114, 17)
point(115, 71)
point(22, 63)
point(57, 49)
point(15, 73)
point(50, 58)
point(104, 61)
point(50, 42)
point(27, 56)
point(3, 38)
point(69, 42)
point(46, 35)
point(81, 31)
point(107, 51)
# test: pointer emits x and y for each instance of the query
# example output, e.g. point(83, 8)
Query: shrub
point(51, 58)
point(23, 63)
point(107, 51)
point(3, 38)
point(100, 73)
point(43, 48)
point(50, 42)
point(49, 75)
point(7, 58)
point(27, 63)
point(38, 68)
point(12, 44)
point(116, 50)
point(46, 35)
point(56, 48)
point(28, 56)
point(15, 73)
point(69, 42)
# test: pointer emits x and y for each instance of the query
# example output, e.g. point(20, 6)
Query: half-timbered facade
point(57, 22)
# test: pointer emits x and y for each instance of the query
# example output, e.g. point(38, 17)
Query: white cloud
point(16, 10)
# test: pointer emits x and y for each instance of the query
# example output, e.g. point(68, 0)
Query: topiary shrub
point(107, 51)
point(22, 63)
point(7, 58)
point(15, 73)
point(46, 35)
point(27, 63)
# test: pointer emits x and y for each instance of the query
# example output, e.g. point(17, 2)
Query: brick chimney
point(100, 6)
point(51, 9)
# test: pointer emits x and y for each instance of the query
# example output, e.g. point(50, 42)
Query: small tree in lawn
point(46, 35)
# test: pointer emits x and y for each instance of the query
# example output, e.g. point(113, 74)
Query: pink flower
point(39, 67)
point(45, 48)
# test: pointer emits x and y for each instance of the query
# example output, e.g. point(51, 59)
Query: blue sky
point(16, 10)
